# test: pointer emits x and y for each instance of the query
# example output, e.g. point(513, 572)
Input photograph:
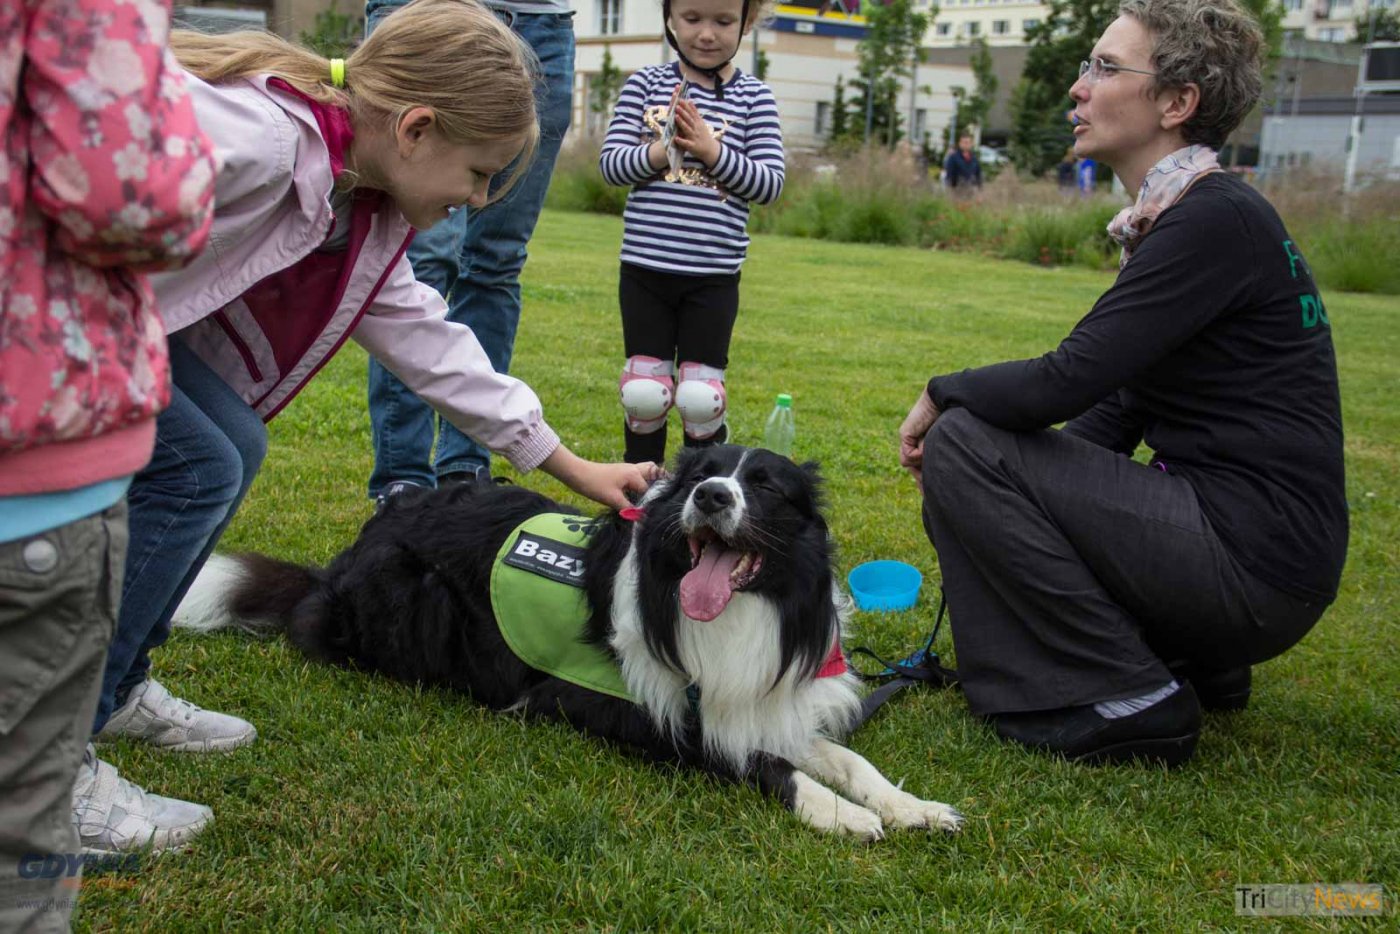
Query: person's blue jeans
point(474, 259)
point(209, 446)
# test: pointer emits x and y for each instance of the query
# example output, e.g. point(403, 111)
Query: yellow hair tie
point(338, 72)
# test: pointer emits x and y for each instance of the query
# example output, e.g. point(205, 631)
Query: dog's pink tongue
point(706, 590)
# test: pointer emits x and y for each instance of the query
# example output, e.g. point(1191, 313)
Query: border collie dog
point(714, 600)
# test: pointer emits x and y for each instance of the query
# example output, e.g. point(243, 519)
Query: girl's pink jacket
point(272, 211)
point(103, 171)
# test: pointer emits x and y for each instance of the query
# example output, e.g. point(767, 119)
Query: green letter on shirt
point(1313, 312)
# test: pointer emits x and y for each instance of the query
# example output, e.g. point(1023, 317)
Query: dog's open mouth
point(717, 571)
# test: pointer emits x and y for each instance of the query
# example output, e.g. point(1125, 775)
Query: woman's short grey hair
point(1212, 44)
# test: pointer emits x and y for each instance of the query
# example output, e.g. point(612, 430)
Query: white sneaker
point(154, 715)
point(112, 815)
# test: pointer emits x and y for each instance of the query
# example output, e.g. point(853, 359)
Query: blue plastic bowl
point(885, 585)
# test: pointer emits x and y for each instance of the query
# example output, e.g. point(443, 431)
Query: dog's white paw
point(905, 810)
point(861, 823)
point(826, 810)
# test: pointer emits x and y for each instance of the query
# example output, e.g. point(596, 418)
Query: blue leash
point(921, 666)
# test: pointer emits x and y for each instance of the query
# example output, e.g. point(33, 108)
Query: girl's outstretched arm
point(608, 484)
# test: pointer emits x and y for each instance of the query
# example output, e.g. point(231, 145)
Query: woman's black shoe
point(1218, 688)
point(1164, 733)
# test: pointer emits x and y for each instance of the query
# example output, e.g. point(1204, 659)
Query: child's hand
point(694, 135)
point(608, 484)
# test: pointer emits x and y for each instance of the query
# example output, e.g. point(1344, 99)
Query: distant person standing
point(1065, 171)
point(1088, 169)
point(962, 173)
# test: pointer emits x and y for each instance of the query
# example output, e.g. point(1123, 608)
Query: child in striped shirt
point(684, 228)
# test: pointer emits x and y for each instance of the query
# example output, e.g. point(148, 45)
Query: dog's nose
point(711, 498)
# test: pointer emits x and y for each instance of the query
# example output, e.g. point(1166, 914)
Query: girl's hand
point(608, 484)
point(694, 135)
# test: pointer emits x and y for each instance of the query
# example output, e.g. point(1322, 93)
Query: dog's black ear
point(818, 486)
point(685, 459)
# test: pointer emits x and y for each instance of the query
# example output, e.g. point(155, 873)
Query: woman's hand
point(911, 434)
point(694, 135)
point(608, 484)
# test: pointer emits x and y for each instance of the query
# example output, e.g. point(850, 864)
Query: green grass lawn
point(369, 805)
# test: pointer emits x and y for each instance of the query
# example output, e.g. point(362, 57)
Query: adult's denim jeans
point(209, 446)
point(473, 258)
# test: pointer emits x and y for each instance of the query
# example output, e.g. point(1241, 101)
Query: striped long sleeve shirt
point(690, 229)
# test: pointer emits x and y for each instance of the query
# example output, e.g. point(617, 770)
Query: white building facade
point(999, 22)
point(1330, 20)
point(805, 54)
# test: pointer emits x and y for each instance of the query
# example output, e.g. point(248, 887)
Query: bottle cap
point(784, 400)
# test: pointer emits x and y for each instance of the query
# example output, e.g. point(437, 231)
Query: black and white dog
point(715, 598)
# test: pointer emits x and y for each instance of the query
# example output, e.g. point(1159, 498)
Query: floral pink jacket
point(103, 171)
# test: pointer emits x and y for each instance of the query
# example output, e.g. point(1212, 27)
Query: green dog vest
point(537, 595)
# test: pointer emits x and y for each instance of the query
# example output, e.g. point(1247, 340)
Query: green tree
point(838, 112)
point(973, 109)
point(604, 87)
point(1040, 130)
point(1378, 26)
point(1040, 101)
point(893, 39)
point(333, 33)
point(761, 66)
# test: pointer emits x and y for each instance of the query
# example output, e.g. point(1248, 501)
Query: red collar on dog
point(632, 513)
point(835, 663)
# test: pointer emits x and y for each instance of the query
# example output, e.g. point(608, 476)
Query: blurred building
point(1350, 125)
point(1315, 134)
point(1330, 20)
point(1000, 22)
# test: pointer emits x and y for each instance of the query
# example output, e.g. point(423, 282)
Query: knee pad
point(701, 398)
point(647, 391)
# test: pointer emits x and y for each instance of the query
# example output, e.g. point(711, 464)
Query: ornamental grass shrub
point(888, 197)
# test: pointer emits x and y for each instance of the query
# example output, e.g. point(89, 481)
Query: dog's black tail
point(251, 592)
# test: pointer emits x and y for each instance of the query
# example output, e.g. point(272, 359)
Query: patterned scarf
point(1164, 185)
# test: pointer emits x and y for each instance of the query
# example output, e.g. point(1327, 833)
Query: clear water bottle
point(780, 429)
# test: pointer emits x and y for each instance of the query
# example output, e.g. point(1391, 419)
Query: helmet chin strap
point(712, 72)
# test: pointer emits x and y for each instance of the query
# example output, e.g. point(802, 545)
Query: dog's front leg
point(855, 776)
point(821, 807)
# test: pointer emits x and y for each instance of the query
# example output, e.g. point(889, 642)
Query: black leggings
point(678, 319)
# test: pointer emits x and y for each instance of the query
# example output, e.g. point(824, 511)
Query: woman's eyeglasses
point(1097, 69)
